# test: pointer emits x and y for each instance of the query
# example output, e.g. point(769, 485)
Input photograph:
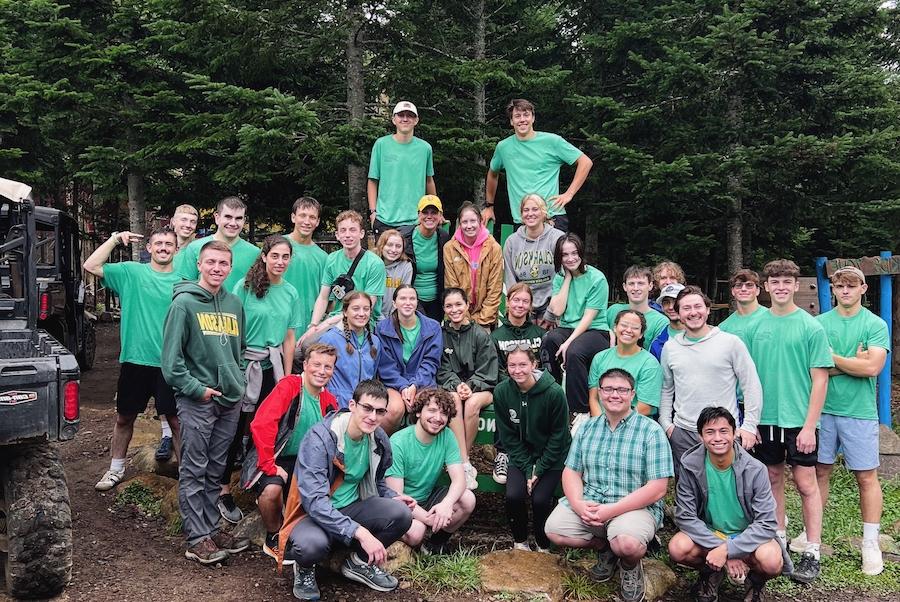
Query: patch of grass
point(141, 497)
point(175, 526)
point(457, 572)
point(578, 586)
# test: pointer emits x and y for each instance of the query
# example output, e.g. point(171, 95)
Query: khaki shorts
point(638, 524)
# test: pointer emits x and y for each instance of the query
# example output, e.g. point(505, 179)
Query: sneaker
point(632, 583)
point(706, 589)
point(807, 569)
point(798, 544)
point(164, 451)
point(305, 586)
point(270, 549)
point(471, 476)
point(872, 564)
point(109, 480)
point(369, 575)
point(501, 466)
point(605, 567)
point(521, 545)
point(230, 543)
point(541, 550)
point(206, 551)
point(229, 510)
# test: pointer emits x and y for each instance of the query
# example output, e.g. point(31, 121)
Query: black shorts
point(435, 497)
point(779, 445)
point(137, 384)
point(287, 464)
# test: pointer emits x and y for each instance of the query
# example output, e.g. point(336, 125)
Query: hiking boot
point(501, 468)
point(164, 451)
point(109, 480)
point(632, 582)
point(205, 551)
point(230, 543)
point(807, 569)
point(605, 567)
point(305, 586)
point(229, 510)
point(471, 476)
point(872, 564)
point(706, 589)
point(270, 549)
point(754, 589)
point(369, 575)
point(798, 544)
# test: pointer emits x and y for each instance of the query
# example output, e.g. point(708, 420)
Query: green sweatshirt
point(507, 337)
point(533, 426)
point(469, 356)
point(203, 343)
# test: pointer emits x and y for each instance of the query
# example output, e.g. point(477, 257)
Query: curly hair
point(348, 335)
point(439, 396)
point(257, 277)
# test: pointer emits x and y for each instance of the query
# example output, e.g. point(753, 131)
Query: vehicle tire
point(38, 561)
point(89, 346)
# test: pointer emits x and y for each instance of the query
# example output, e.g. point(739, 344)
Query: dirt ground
point(122, 556)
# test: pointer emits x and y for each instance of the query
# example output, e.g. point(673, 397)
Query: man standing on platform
point(307, 260)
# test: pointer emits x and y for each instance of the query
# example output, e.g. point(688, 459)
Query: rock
point(168, 507)
point(158, 485)
point(889, 441)
point(520, 572)
point(245, 499)
point(890, 466)
point(398, 554)
point(144, 460)
point(658, 579)
point(885, 542)
point(146, 432)
point(826, 550)
point(336, 559)
point(251, 526)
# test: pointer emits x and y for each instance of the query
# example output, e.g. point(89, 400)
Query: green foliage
point(578, 586)
point(141, 497)
point(457, 572)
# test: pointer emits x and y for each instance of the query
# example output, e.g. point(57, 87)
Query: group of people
point(346, 384)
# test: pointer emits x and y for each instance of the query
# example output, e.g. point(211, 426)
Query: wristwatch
point(115, 235)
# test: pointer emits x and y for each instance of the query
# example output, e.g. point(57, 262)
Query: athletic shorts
point(137, 384)
point(287, 464)
point(779, 445)
point(435, 497)
point(638, 524)
point(857, 439)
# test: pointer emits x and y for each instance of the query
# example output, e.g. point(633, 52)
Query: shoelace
point(502, 464)
point(630, 578)
point(308, 578)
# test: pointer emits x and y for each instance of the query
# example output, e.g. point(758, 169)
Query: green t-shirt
point(533, 166)
point(784, 349)
point(145, 296)
point(723, 510)
point(368, 277)
point(267, 320)
point(310, 415)
point(356, 462)
point(737, 324)
point(588, 291)
point(243, 254)
point(426, 251)
point(401, 169)
point(305, 274)
point(410, 338)
point(656, 322)
point(642, 366)
point(851, 395)
point(419, 464)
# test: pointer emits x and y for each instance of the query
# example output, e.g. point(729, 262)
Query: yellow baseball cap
point(430, 200)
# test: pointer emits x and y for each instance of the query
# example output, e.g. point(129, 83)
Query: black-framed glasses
point(368, 409)
point(619, 390)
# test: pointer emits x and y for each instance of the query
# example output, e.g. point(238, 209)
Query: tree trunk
point(137, 208)
point(480, 94)
point(356, 104)
point(734, 225)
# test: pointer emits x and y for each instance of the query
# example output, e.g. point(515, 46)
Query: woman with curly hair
point(271, 315)
point(358, 349)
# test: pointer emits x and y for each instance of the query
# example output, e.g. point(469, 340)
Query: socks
point(870, 531)
point(166, 429)
point(781, 534)
point(117, 465)
point(812, 548)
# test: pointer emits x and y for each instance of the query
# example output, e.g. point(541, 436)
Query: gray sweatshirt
point(531, 261)
point(397, 272)
point(698, 374)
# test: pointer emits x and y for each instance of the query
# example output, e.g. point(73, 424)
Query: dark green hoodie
point(203, 343)
point(468, 356)
point(533, 426)
point(508, 337)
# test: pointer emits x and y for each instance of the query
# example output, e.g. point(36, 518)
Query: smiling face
point(628, 329)
point(469, 223)
point(230, 222)
point(405, 122)
point(214, 267)
point(433, 419)
point(349, 234)
point(616, 394)
point(718, 437)
point(305, 220)
point(184, 224)
point(693, 313)
point(637, 288)
point(782, 289)
point(522, 122)
point(368, 412)
point(571, 260)
point(533, 214)
point(745, 292)
point(668, 306)
point(318, 368)
point(162, 248)
point(456, 307)
point(518, 305)
point(277, 260)
point(406, 302)
point(520, 367)
point(430, 218)
point(393, 248)
point(358, 310)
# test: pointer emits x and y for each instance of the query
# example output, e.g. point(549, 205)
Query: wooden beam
point(870, 266)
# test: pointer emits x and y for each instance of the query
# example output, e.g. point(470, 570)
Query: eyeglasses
point(619, 390)
point(747, 285)
point(368, 409)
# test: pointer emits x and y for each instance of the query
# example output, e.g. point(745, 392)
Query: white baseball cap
point(670, 290)
point(405, 105)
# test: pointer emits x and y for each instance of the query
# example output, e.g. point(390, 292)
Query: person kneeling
point(421, 453)
point(725, 512)
point(341, 496)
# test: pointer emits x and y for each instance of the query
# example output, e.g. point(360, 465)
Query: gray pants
point(207, 429)
point(681, 441)
point(385, 518)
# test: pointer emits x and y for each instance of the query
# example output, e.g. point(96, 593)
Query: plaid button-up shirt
point(614, 463)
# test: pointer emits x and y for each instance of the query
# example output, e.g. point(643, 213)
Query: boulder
point(398, 554)
point(168, 507)
point(531, 574)
point(889, 441)
point(885, 542)
point(251, 526)
point(658, 579)
point(144, 460)
point(244, 499)
point(146, 432)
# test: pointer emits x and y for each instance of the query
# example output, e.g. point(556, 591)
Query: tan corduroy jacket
point(457, 273)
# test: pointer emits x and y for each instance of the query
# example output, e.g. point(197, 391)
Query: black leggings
point(268, 383)
point(543, 500)
point(578, 361)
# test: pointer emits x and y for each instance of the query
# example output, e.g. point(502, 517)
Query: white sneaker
point(471, 476)
point(521, 546)
point(872, 564)
point(542, 550)
point(798, 544)
point(578, 419)
point(109, 480)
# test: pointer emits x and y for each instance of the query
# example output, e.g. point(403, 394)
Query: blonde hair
point(539, 200)
point(189, 209)
point(383, 240)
